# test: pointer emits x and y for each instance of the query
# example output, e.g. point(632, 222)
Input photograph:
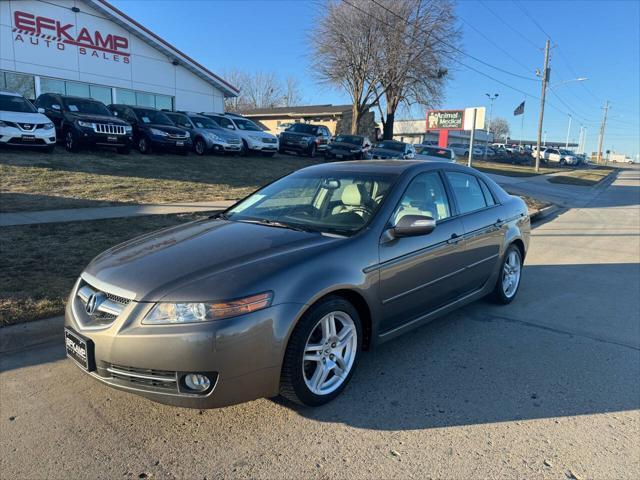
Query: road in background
point(546, 387)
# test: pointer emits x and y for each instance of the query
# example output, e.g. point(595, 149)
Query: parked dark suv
point(153, 130)
point(84, 121)
point(305, 138)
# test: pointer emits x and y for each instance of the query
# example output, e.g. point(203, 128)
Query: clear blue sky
point(599, 40)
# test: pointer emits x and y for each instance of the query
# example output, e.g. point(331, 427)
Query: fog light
point(197, 382)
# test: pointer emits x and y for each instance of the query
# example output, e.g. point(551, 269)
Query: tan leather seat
point(354, 199)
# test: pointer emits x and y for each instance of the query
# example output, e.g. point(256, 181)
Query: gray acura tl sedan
point(281, 293)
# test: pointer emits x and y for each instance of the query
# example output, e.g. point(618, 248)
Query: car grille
point(269, 140)
point(26, 127)
point(22, 141)
point(143, 377)
point(174, 136)
point(234, 141)
point(108, 128)
point(105, 309)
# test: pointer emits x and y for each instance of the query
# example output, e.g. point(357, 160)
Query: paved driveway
point(544, 388)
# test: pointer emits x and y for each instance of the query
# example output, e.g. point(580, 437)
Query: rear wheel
point(563, 162)
point(322, 353)
point(508, 281)
point(312, 150)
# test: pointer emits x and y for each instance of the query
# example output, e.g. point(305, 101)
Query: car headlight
point(85, 124)
point(187, 134)
point(128, 128)
point(214, 137)
point(257, 138)
point(46, 126)
point(355, 150)
point(160, 133)
point(172, 313)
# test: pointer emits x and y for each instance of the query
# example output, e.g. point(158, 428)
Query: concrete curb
point(24, 336)
point(543, 213)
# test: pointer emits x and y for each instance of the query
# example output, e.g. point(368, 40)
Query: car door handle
point(455, 239)
point(499, 223)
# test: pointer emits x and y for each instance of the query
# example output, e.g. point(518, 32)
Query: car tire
point(245, 148)
point(199, 146)
point(70, 141)
point(123, 150)
point(143, 145)
point(507, 288)
point(312, 338)
point(313, 150)
point(563, 162)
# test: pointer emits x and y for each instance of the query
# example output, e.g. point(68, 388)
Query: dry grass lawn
point(40, 263)
point(32, 180)
point(510, 170)
point(585, 178)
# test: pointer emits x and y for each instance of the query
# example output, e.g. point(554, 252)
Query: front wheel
point(200, 147)
point(508, 281)
point(70, 142)
point(563, 162)
point(143, 145)
point(312, 150)
point(322, 353)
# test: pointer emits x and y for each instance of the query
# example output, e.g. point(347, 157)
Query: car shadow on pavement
point(485, 363)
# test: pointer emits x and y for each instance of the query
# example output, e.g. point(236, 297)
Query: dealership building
point(89, 48)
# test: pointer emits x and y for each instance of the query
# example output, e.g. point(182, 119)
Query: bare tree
point(500, 129)
point(346, 45)
point(419, 41)
point(292, 94)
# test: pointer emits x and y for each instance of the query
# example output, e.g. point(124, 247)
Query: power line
point(444, 42)
point(511, 27)
point(535, 22)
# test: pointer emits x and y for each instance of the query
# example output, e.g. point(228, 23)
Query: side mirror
point(40, 110)
point(413, 225)
point(231, 127)
point(55, 106)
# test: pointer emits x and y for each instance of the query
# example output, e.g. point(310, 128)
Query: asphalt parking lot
point(546, 387)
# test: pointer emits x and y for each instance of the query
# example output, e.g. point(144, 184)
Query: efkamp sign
point(445, 120)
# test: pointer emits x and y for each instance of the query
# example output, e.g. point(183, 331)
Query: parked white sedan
point(462, 149)
point(433, 153)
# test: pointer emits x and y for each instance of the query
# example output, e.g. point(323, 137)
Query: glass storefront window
point(164, 102)
point(125, 97)
point(77, 89)
point(102, 94)
point(16, 82)
point(145, 100)
point(52, 85)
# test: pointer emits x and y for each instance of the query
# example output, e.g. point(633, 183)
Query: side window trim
point(439, 174)
point(480, 182)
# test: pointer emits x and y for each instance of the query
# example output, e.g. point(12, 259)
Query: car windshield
point(10, 103)
point(566, 152)
point(244, 124)
point(179, 120)
point(152, 116)
point(91, 107)
point(352, 139)
point(434, 152)
point(333, 202)
point(205, 122)
point(396, 146)
point(303, 128)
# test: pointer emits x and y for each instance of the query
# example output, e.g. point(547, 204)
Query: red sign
point(50, 30)
point(445, 120)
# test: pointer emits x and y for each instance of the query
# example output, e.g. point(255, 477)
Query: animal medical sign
point(57, 35)
point(445, 120)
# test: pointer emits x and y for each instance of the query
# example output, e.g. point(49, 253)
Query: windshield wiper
point(275, 223)
point(220, 216)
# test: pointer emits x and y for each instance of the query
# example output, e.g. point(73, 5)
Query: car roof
point(11, 94)
point(397, 167)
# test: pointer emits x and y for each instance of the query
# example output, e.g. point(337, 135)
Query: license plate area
point(79, 349)
point(179, 144)
point(112, 139)
point(28, 138)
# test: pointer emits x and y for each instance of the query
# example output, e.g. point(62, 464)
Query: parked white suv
point(22, 125)
point(253, 137)
point(561, 156)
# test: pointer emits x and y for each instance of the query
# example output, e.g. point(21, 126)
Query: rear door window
point(467, 192)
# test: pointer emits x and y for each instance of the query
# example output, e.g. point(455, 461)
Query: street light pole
point(491, 98)
point(566, 144)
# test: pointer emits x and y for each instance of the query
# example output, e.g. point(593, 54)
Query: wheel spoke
point(328, 327)
point(319, 377)
point(312, 357)
point(345, 336)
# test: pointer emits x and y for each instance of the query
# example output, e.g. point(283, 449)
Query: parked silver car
point(254, 138)
point(282, 292)
point(433, 153)
point(207, 135)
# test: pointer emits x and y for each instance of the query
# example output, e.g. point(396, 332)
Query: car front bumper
point(87, 136)
point(221, 146)
point(260, 146)
point(34, 138)
point(169, 143)
point(241, 355)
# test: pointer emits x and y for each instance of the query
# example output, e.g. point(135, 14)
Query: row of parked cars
point(83, 122)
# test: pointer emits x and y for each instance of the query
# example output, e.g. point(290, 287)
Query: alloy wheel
point(68, 141)
point(142, 145)
point(511, 274)
point(329, 353)
point(199, 147)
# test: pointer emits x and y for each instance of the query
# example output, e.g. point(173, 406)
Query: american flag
point(519, 109)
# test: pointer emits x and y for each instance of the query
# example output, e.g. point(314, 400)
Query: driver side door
point(419, 274)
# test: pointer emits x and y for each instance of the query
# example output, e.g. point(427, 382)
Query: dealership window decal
point(52, 33)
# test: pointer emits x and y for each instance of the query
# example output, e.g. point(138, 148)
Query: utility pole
point(566, 144)
point(486, 143)
point(602, 127)
point(545, 80)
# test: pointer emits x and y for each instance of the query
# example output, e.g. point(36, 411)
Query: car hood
point(202, 261)
point(85, 117)
point(223, 133)
point(23, 117)
point(166, 128)
point(296, 135)
point(344, 146)
point(386, 153)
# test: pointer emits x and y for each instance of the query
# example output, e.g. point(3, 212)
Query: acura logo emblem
point(94, 301)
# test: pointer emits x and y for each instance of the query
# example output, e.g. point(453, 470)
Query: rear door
point(483, 227)
point(421, 273)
